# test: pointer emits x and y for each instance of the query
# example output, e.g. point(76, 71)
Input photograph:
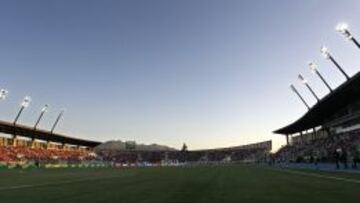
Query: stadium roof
point(26, 131)
point(343, 95)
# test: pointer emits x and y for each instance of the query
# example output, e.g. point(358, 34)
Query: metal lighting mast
point(326, 54)
point(57, 121)
point(314, 69)
point(43, 111)
point(299, 95)
point(302, 79)
point(343, 29)
point(24, 104)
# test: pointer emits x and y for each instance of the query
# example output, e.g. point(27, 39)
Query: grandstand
point(244, 153)
point(331, 126)
point(36, 145)
point(330, 130)
point(28, 144)
point(48, 136)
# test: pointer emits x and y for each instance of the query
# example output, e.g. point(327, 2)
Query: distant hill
point(120, 145)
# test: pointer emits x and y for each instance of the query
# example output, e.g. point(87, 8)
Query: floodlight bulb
point(325, 52)
point(26, 102)
point(342, 27)
point(44, 109)
point(313, 67)
point(3, 94)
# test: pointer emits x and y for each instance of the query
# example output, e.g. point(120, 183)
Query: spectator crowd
point(341, 149)
point(200, 156)
point(11, 154)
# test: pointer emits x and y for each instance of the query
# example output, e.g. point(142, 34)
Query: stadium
point(318, 160)
point(330, 127)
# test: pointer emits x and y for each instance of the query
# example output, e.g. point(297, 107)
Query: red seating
point(14, 154)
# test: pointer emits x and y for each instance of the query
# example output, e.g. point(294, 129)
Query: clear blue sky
point(209, 73)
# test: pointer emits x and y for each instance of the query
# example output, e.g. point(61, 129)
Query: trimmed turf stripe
point(16, 187)
point(318, 175)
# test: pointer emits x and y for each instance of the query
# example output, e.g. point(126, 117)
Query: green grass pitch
point(233, 183)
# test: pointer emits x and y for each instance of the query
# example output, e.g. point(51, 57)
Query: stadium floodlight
point(24, 104)
point(327, 55)
point(343, 29)
point(43, 111)
point(3, 94)
point(314, 69)
point(299, 95)
point(302, 79)
point(325, 52)
point(57, 120)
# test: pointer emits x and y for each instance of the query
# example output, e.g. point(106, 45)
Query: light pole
point(326, 54)
point(3, 94)
point(299, 95)
point(57, 120)
point(314, 69)
point(343, 29)
point(24, 104)
point(54, 125)
point(43, 111)
point(302, 79)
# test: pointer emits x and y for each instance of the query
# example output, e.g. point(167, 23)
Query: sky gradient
point(209, 73)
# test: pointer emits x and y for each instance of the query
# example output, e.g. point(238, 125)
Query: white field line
point(349, 180)
point(16, 187)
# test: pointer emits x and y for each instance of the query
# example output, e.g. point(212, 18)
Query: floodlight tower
point(54, 126)
point(302, 79)
point(3, 94)
point(43, 111)
point(314, 69)
point(343, 29)
point(299, 95)
point(24, 104)
point(57, 120)
point(327, 55)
